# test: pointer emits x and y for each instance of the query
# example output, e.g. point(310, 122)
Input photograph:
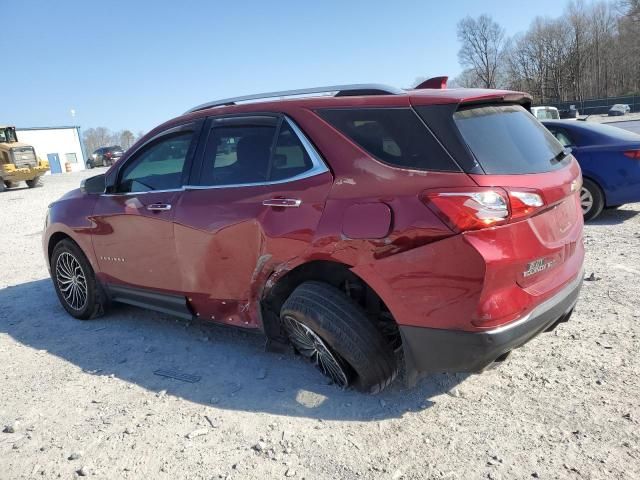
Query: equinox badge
point(538, 266)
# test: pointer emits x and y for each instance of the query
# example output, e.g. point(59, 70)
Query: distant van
point(545, 113)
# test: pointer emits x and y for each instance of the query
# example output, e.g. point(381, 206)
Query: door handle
point(159, 207)
point(282, 202)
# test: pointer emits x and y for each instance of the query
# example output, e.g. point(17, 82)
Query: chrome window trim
point(129, 158)
point(129, 194)
point(318, 167)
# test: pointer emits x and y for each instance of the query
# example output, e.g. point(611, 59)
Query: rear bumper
point(432, 350)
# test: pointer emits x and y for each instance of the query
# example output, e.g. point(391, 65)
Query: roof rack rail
point(341, 91)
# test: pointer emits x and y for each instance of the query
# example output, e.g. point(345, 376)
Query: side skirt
point(160, 302)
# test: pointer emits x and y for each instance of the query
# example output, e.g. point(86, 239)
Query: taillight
point(635, 154)
point(524, 203)
point(476, 208)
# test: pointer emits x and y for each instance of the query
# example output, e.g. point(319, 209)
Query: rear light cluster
point(635, 154)
point(476, 208)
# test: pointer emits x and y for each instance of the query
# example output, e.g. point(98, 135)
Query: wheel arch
point(59, 235)
point(340, 275)
point(55, 239)
point(597, 183)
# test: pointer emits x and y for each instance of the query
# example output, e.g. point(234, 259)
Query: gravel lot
point(80, 398)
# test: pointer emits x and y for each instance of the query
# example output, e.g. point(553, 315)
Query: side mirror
point(93, 185)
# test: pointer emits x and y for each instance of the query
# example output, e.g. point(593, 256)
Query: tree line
point(591, 51)
point(94, 138)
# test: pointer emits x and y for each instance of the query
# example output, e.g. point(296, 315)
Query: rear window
point(506, 139)
point(393, 135)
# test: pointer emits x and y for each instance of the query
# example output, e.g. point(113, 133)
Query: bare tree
point(482, 41)
point(123, 138)
point(467, 79)
point(631, 9)
point(592, 50)
point(95, 138)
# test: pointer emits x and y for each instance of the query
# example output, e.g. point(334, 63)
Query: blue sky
point(134, 64)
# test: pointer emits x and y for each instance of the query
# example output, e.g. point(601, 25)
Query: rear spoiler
point(523, 99)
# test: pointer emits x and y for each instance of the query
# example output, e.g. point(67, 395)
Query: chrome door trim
point(159, 207)
point(282, 202)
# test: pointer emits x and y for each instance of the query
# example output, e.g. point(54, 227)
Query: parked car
point(572, 112)
point(619, 109)
point(104, 156)
point(610, 161)
point(373, 229)
point(545, 113)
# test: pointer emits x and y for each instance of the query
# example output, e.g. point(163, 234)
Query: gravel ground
point(80, 398)
point(605, 118)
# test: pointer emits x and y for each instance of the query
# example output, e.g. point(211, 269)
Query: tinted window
point(158, 167)
point(393, 135)
point(290, 157)
point(506, 139)
point(563, 137)
point(238, 154)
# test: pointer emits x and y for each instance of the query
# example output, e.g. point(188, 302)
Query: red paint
point(223, 249)
point(366, 220)
point(435, 82)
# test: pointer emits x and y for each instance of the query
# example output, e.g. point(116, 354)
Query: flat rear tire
point(333, 332)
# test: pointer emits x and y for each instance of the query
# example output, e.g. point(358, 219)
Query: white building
point(61, 146)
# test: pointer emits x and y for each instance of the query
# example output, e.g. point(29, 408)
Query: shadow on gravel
point(236, 373)
point(613, 216)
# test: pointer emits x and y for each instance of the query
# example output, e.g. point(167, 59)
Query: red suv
point(373, 228)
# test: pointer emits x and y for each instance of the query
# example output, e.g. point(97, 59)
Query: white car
point(545, 113)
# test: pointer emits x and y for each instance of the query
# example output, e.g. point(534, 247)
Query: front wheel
point(591, 200)
point(36, 182)
point(333, 332)
point(75, 282)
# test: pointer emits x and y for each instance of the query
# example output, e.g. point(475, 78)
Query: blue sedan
point(610, 161)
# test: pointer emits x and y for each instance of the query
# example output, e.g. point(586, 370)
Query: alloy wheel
point(72, 281)
point(311, 346)
point(586, 200)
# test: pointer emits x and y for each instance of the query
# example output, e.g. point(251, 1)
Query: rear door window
point(290, 158)
point(506, 139)
point(238, 154)
point(395, 136)
point(562, 136)
point(252, 150)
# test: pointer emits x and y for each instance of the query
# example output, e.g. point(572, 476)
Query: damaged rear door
point(253, 203)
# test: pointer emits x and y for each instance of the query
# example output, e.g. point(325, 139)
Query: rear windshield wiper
point(562, 155)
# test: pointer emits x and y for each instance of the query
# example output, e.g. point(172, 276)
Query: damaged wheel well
point(340, 276)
